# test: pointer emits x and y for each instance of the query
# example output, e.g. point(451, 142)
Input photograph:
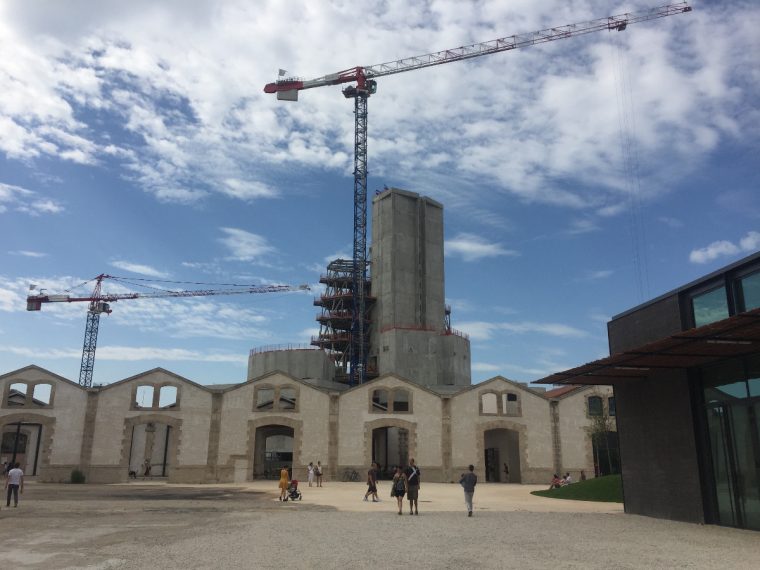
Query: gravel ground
point(227, 526)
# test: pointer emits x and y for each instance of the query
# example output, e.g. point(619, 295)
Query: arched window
point(144, 397)
point(400, 400)
point(489, 403)
point(380, 400)
point(17, 394)
point(595, 406)
point(287, 398)
point(167, 397)
point(42, 394)
point(511, 404)
point(265, 398)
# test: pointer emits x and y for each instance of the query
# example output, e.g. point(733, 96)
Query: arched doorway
point(390, 447)
point(272, 450)
point(149, 452)
point(501, 447)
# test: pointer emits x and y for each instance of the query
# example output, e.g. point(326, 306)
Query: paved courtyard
point(143, 525)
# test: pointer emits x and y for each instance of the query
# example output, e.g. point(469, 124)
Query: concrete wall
point(407, 261)
point(648, 324)
point(297, 363)
point(468, 427)
point(658, 449)
point(426, 358)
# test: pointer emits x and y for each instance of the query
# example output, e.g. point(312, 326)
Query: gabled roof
point(396, 377)
point(273, 373)
point(153, 371)
point(43, 370)
point(513, 383)
point(562, 391)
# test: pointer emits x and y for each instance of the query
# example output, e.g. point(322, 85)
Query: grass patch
point(602, 489)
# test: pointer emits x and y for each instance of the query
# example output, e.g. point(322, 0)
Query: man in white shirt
point(14, 482)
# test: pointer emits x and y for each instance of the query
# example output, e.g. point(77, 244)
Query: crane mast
point(99, 303)
point(287, 90)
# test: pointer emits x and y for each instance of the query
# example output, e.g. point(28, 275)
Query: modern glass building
point(685, 368)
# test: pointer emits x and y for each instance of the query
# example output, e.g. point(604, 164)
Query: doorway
point(149, 453)
point(20, 444)
point(273, 450)
point(390, 448)
point(501, 455)
point(732, 402)
point(606, 453)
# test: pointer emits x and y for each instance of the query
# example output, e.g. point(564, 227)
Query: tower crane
point(364, 85)
point(100, 303)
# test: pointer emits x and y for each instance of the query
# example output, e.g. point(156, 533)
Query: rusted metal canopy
point(736, 336)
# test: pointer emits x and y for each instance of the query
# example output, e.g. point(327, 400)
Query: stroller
point(293, 492)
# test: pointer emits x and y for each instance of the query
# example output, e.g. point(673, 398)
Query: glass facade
point(750, 286)
point(732, 405)
point(710, 307)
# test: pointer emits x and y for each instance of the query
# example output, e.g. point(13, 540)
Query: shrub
point(77, 476)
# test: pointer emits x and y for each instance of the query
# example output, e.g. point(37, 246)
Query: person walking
point(468, 482)
point(372, 483)
point(14, 482)
point(310, 472)
point(412, 486)
point(318, 473)
point(398, 488)
point(283, 483)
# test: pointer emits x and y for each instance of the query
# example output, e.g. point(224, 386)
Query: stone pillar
point(446, 440)
point(88, 432)
point(215, 428)
point(556, 436)
point(332, 438)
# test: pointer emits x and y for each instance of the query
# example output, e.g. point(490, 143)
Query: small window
point(611, 405)
point(511, 406)
point(287, 398)
point(595, 406)
point(710, 307)
point(380, 401)
point(265, 399)
point(489, 403)
point(400, 401)
point(167, 397)
point(17, 394)
point(751, 291)
point(144, 397)
point(41, 395)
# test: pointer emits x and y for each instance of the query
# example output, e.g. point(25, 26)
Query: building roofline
point(40, 369)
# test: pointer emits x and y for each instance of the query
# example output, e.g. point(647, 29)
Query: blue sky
point(579, 177)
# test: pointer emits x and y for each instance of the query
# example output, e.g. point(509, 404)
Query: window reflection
point(400, 401)
point(287, 398)
point(595, 406)
point(751, 291)
point(710, 307)
point(265, 399)
point(380, 400)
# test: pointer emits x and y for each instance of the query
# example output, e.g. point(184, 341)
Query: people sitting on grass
point(556, 482)
point(567, 479)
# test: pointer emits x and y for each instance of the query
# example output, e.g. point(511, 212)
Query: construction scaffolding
point(336, 318)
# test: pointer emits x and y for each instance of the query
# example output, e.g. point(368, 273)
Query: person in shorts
point(398, 488)
point(372, 483)
point(412, 486)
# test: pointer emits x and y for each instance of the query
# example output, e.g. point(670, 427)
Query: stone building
point(296, 406)
point(193, 433)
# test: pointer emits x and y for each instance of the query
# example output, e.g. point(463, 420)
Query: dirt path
point(245, 526)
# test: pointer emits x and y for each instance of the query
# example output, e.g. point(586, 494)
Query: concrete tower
point(409, 335)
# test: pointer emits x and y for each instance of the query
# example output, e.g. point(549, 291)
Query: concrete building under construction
point(409, 323)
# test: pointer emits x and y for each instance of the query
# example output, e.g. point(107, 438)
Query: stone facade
point(210, 434)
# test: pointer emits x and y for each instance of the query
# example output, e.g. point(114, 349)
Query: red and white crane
point(363, 77)
point(100, 303)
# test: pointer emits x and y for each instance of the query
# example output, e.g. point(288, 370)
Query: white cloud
point(471, 247)
point(27, 253)
point(245, 246)
point(26, 201)
point(178, 79)
point(725, 248)
point(140, 269)
point(674, 223)
point(595, 275)
point(482, 330)
point(131, 354)
point(485, 367)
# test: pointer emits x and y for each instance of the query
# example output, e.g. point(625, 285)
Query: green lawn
point(602, 489)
